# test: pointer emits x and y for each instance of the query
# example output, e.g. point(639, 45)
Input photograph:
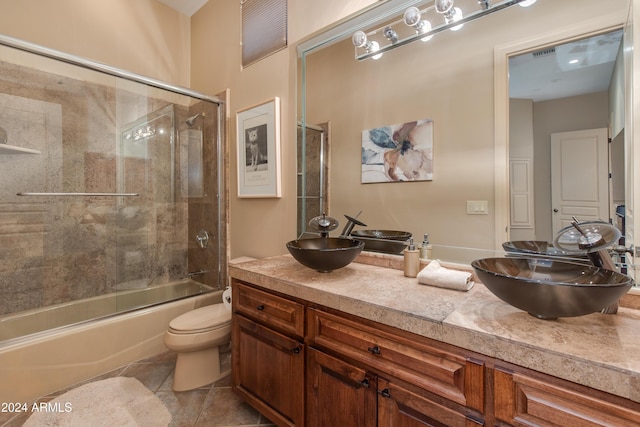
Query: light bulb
point(374, 47)
point(359, 39)
point(411, 16)
point(443, 6)
point(426, 27)
point(527, 3)
point(454, 16)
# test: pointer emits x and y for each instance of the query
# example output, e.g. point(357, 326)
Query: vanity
point(366, 346)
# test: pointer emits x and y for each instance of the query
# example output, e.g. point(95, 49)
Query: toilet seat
point(202, 319)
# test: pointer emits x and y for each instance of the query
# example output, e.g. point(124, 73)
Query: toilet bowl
point(197, 337)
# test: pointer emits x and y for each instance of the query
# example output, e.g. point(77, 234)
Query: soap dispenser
point(411, 260)
point(425, 249)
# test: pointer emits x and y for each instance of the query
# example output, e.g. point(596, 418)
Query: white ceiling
point(186, 7)
point(551, 75)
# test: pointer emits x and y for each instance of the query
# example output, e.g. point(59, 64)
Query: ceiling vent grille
point(544, 52)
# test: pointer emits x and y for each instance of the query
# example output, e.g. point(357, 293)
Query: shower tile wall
point(200, 184)
point(57, 249)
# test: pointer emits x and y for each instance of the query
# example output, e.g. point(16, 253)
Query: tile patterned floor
point(214, 405)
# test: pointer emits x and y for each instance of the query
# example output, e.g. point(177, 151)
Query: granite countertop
point(598, 350)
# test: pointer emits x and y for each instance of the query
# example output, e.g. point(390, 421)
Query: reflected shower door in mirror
point(313, 174)
point(458, 81)
point(565, 102)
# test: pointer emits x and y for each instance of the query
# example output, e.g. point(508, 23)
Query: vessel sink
point(549, 288)
point(538, 247)
point(325, 254)
point(387, 241)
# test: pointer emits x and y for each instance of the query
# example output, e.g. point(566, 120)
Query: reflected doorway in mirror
point(397, 153)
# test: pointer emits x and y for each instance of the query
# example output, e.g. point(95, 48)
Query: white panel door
point(579, 177)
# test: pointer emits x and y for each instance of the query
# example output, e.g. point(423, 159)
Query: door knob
point(555, 210)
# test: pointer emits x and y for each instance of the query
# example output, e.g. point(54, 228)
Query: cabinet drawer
point(521, 400)
point(444, 373)
point(278, 313)
point(401, 407)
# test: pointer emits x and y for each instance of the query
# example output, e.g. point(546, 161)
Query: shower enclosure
point(110, 183)
point(313, 174)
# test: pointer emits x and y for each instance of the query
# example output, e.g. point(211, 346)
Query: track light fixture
point(414, 24)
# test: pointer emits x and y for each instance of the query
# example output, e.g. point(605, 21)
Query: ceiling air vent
point(544, 52)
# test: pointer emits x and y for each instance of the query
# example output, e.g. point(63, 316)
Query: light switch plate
point(477, 207)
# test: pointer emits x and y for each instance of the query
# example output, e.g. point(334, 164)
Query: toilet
point(197, 337)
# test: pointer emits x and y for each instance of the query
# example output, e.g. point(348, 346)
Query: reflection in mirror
point(565, 102)
point(313, 174)
point(450, 81)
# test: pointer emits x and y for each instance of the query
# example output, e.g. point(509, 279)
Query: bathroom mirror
point(452, 81)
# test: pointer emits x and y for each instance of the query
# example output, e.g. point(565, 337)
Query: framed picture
point(259, 150)
point(397, 153)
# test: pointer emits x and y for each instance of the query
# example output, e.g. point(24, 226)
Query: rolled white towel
point(436, 275)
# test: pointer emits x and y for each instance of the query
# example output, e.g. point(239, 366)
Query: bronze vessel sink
point(549, 288)
point(325, 254)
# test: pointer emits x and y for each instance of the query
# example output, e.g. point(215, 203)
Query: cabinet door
point(268, 371)
point(399, 407)
point(521, 400)
point(338, 393)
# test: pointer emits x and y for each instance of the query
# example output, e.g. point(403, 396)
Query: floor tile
point(184, 406)
point(213, 405)
point(223, 408)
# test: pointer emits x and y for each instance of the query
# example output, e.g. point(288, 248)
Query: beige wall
point(142, 36)
point(148, 38)
point(258, 227)
point(450, 80)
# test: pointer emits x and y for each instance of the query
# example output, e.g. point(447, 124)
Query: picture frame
point(258, 147)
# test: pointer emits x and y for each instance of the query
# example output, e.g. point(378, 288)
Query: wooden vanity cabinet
point(521, 398)
point(298, 363)
point(268, 354)
point(413, 382)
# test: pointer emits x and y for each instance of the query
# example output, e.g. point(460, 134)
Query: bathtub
point(87, 338)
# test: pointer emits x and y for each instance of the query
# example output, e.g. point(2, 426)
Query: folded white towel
point(436, 275)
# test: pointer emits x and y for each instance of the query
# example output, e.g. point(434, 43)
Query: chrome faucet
point(595, 238)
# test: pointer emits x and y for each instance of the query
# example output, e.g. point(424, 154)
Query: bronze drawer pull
point(296, 350)
point(374, 350)
point(384, 392)
point(365, 383)
point(260, 307)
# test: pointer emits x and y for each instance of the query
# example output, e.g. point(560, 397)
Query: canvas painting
point(398, 153)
